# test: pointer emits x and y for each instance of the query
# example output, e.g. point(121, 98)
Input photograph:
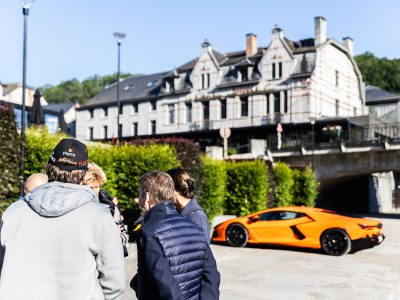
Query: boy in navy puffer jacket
point(174, 258)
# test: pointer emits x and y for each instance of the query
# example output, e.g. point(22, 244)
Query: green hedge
point(39, 144)
point(246, 187)
point(212, 195)
point(283, 184)
point(10, 146)
point(305, 187)
point(236, 188)
point(124, 165)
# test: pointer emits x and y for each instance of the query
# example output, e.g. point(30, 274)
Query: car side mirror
point(254, 219)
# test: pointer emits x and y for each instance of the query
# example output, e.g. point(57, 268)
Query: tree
point(9, 157)
point(75, 91)
point(283, 184)
point(305, 187)
point(381, 72)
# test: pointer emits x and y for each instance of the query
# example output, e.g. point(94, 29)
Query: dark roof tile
point(133, 88)
point(375, 94)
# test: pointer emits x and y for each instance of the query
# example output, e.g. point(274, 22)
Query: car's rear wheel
point(237, 235)
point(335, 242)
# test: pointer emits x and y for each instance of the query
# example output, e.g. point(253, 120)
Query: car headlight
point(363, 226)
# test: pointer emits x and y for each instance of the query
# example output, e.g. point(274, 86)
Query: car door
point(277, 227)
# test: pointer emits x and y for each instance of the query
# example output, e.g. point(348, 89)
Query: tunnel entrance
point(350, 195)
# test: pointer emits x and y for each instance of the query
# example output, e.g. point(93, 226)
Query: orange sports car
point(301, 227)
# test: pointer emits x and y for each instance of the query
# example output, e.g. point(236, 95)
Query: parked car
point(301, 227)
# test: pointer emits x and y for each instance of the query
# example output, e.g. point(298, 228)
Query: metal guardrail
point(324, 148)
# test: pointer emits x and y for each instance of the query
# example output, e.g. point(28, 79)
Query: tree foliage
point(305, 187)
point(246, 187)
point(283, 184)
point(381, 72)
point(124, 165)
point(39, 144)
point(75, 91)
point(213, 191)
point(9, 157)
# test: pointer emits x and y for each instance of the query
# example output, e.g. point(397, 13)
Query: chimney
point(251, 44)
point(348, 43)
point(277, 32)
point(320, 30)
point(206, 45)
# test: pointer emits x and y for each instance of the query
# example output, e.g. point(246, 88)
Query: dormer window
point(205, 81)
point(243, 74)
point(151, 83)
point(169, 85)
point(129, 87)
point(277, 70)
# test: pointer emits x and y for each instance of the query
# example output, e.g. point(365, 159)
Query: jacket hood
point(55, 199)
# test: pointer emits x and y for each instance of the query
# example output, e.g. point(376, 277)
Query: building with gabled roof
point(12, 93)
point(249, 91)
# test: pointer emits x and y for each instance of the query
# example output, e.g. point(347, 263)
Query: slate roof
point(131, 89)
point(56, 108)
point(138, 88)
point(375, 95)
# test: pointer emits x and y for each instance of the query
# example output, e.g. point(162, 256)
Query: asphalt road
point(271, 273)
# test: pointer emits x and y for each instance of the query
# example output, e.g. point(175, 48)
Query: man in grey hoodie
point(59, 242)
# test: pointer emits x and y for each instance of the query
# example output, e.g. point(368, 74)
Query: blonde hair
point(94, 174)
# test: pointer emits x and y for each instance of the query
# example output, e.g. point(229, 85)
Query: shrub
point(246, 187)
point(39, 144)
point(124, 165)
point(187, 152)
point(212, 194)
point(283, 184)
point(305, 187)
point(9, 158)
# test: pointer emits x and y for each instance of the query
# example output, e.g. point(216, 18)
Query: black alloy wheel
point(236, 235)
point(335, 242)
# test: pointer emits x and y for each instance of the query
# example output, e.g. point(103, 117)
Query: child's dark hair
point(183, 182)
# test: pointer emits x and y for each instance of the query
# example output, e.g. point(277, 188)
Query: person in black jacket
point(185, 202)
point(174, 258)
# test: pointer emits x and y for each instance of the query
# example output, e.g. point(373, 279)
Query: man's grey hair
point(159, 185)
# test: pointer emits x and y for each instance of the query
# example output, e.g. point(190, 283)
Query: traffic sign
point(225, 132)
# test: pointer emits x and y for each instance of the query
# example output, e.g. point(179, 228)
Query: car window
point(280, 215)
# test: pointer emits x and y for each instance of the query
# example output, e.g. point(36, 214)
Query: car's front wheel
point(335, 242)
point(237, 235)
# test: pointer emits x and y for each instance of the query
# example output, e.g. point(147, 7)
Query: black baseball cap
point(69, 155)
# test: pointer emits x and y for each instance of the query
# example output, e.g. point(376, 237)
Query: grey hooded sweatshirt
point(60, 243)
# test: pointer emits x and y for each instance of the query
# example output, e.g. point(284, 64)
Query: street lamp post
point(26, 5)
point(312, 121)
point(119, 36)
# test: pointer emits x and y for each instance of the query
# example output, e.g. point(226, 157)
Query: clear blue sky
point(74, 38)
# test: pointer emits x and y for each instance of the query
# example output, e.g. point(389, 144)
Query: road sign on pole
point(225, 133)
